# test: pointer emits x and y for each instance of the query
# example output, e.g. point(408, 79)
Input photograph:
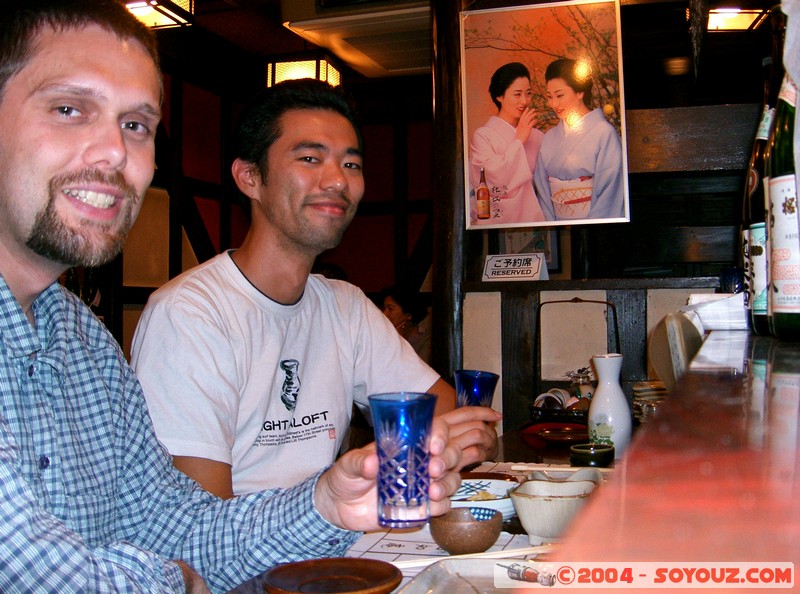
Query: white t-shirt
point(232, 376)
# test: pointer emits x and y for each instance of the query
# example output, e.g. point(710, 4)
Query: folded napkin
point(717, 311)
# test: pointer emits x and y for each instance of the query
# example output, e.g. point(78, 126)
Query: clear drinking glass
point(402, 424)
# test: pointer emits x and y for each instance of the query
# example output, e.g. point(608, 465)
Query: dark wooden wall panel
point(448, 186)
point(630, 304)
point(518, 311)
point(714, 137)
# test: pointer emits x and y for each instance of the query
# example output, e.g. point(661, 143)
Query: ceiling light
point(320, 68)
point(162, 14)
point(735, 19)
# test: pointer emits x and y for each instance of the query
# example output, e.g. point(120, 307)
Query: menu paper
point(413, 549)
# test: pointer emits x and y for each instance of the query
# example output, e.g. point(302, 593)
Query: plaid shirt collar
point(48, 339)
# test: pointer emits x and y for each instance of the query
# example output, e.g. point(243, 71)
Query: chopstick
point(504, 554)
point(552, 468)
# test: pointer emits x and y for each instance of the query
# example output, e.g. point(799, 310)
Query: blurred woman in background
point(410, 317)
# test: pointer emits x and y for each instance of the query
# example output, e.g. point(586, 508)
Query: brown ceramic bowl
point(466, 530)
point(345, 575)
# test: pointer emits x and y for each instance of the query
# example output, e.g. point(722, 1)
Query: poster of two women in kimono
point(544, 116)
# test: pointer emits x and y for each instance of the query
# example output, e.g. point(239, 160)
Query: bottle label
point(757, 256)
point(744, 245)
point(784, 239)
point(483, 202)
point(752, 181)
point(788, 92)
point(762, 133)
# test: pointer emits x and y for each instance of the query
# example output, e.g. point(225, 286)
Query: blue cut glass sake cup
point(474, 387)
point(402, 423)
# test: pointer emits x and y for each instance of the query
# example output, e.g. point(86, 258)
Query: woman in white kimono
point(579, 171)
point(506, 148)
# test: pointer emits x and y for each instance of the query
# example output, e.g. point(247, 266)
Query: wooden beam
point(708, 138)
point(448, 205)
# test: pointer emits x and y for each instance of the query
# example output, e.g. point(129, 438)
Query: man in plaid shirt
point(89, 501)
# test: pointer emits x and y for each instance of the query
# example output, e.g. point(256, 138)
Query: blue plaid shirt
point(89, 500)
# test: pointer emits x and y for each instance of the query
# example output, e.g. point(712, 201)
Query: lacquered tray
point(558, 415)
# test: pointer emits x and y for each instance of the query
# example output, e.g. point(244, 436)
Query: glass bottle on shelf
point(784, 230)
point(757, 186)
point(753, 217)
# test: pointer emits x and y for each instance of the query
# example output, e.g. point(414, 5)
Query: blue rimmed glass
point(474, 387)
point(402, 422)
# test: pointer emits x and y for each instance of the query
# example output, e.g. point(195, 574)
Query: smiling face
point(514, 101)
point(77, 150)
point(314, 181)
point(563, 100)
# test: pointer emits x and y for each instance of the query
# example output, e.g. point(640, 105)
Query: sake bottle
point(757, 186)
point(753, 232)
point(482, 196)
point(609, 418)
point(784, 226)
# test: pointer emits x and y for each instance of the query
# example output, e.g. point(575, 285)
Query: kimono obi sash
point(571, 197)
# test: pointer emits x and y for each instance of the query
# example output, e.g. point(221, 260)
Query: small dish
point(582, 474)
point(472, 491)
point(537, 436)
point(348, 575)
point(457, 575)
point(564, 434)
point(591, 454)
point(557, 415)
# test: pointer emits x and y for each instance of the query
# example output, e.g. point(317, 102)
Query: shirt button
point(44, 462)
point(30, 371)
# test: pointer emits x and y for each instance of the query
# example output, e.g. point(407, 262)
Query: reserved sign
point(510, 267)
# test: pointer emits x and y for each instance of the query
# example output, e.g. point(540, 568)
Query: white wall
point(482, 341)
point(571, 332)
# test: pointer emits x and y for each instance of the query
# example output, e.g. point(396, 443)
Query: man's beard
point(317, 241)
point(92, 244)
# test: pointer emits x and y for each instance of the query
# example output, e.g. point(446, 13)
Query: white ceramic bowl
point(580, 474)
point(469, 492)
point(546, 507)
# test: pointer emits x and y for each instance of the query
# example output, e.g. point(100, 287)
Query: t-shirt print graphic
point(291, 383)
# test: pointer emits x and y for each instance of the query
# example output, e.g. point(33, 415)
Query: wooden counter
point(714, 478)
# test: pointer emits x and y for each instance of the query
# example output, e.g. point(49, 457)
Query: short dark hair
point(22, 20)
point(259, 124)
point(408, 300)
point(504, 76)
point(567, 69)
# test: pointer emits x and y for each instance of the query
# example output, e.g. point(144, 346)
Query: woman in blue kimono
point(579, 169)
